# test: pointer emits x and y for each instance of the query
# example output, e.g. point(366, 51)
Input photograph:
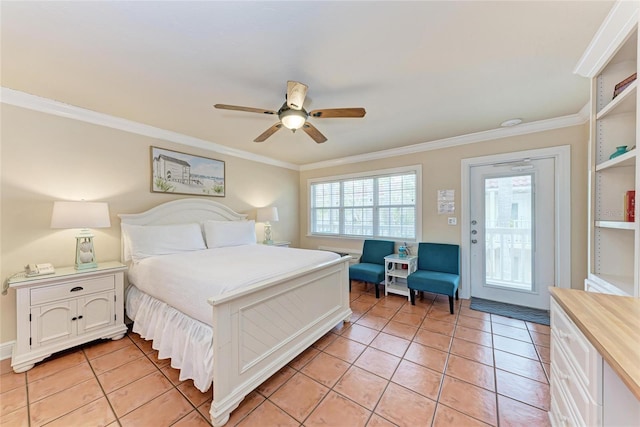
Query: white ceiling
point(423, 70)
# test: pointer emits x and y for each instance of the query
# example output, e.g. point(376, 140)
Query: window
point(380, 205)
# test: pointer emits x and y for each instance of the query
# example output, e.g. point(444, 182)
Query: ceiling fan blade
point(267, 133)
point(296, 92)
point(247, 109)
point(314, 133)
point(329, 113)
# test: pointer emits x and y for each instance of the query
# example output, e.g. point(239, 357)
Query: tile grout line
point(26, 385)
point(100, 384)
point(495, 372)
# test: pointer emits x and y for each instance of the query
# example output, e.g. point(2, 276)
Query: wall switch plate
point(452, 220)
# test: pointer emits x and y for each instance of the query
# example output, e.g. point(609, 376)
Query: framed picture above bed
point(181, 173)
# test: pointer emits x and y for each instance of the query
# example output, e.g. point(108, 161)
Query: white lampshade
point(268, 214)
point(80, 215)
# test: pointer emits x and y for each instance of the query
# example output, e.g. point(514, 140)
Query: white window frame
point(417, 169)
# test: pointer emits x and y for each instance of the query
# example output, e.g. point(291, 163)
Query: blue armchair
point(438, 271)
point(371, 266)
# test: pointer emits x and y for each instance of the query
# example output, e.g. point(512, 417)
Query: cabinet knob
point(76, 289)
point(74, 318)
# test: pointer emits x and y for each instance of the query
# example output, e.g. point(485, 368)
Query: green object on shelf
point(619, 151)
point(402, 252)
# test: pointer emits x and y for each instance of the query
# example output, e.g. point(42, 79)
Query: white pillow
point(229, 233)
point(150, 240)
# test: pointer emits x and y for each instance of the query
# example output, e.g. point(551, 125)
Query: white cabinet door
point(95, 312)
point(61, 320)
point(51, 323)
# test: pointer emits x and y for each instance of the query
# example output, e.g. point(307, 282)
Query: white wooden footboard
point(259, 329)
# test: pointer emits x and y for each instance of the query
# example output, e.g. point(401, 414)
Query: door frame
point(562, 183)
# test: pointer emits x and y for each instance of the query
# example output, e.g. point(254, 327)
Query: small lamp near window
point(267, 215)
point(82, 215)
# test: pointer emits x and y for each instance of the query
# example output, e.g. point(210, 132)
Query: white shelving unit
point(397, 269)
point(614, 245)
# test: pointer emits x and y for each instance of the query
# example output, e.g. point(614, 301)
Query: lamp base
point(267, 234)
point(85, 253)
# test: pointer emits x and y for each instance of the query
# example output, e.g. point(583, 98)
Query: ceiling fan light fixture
point(293, 119)
point(293, 116)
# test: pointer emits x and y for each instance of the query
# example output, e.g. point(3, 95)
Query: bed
point(265, 306)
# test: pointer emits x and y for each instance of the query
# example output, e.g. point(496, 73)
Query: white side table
point(65, 309)
point(396, 271)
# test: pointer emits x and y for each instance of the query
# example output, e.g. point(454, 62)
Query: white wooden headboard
point(180, 211)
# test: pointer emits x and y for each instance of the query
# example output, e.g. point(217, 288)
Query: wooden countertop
point(612, 325)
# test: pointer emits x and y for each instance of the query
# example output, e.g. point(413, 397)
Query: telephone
point(38, 269)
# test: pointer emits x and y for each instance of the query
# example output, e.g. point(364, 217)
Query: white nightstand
point(396, 271)
point(65, 309)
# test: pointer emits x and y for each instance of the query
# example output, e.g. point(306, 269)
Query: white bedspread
point(186, 280)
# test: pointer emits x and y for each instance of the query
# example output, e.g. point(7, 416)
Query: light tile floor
point(395, 364)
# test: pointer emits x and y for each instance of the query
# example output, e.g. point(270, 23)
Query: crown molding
point(522, 129)
point(617, 26)
point(585, 112)
point(49, 106)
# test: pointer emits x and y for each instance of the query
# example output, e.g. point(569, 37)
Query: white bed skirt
point(186, 341)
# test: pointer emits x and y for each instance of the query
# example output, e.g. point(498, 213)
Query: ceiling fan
point(293, 116)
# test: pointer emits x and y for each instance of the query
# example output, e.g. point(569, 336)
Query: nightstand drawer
point(71, 289)
point(580, 354)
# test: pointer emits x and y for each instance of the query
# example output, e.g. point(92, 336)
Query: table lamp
point(267, 215)
point(82, 215)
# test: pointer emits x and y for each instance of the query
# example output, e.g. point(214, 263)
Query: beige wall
point(441, 170)
point(46, 158)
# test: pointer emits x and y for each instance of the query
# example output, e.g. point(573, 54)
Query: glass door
point(512, 232)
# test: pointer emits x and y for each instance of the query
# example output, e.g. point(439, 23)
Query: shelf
point(619, 285)
point(398, 289)
point(625, 160)
point(398, 273)
point(618, 225)
point(614, 244)
point(623, 103)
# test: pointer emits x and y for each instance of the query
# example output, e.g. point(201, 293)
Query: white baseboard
point(6, 349)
